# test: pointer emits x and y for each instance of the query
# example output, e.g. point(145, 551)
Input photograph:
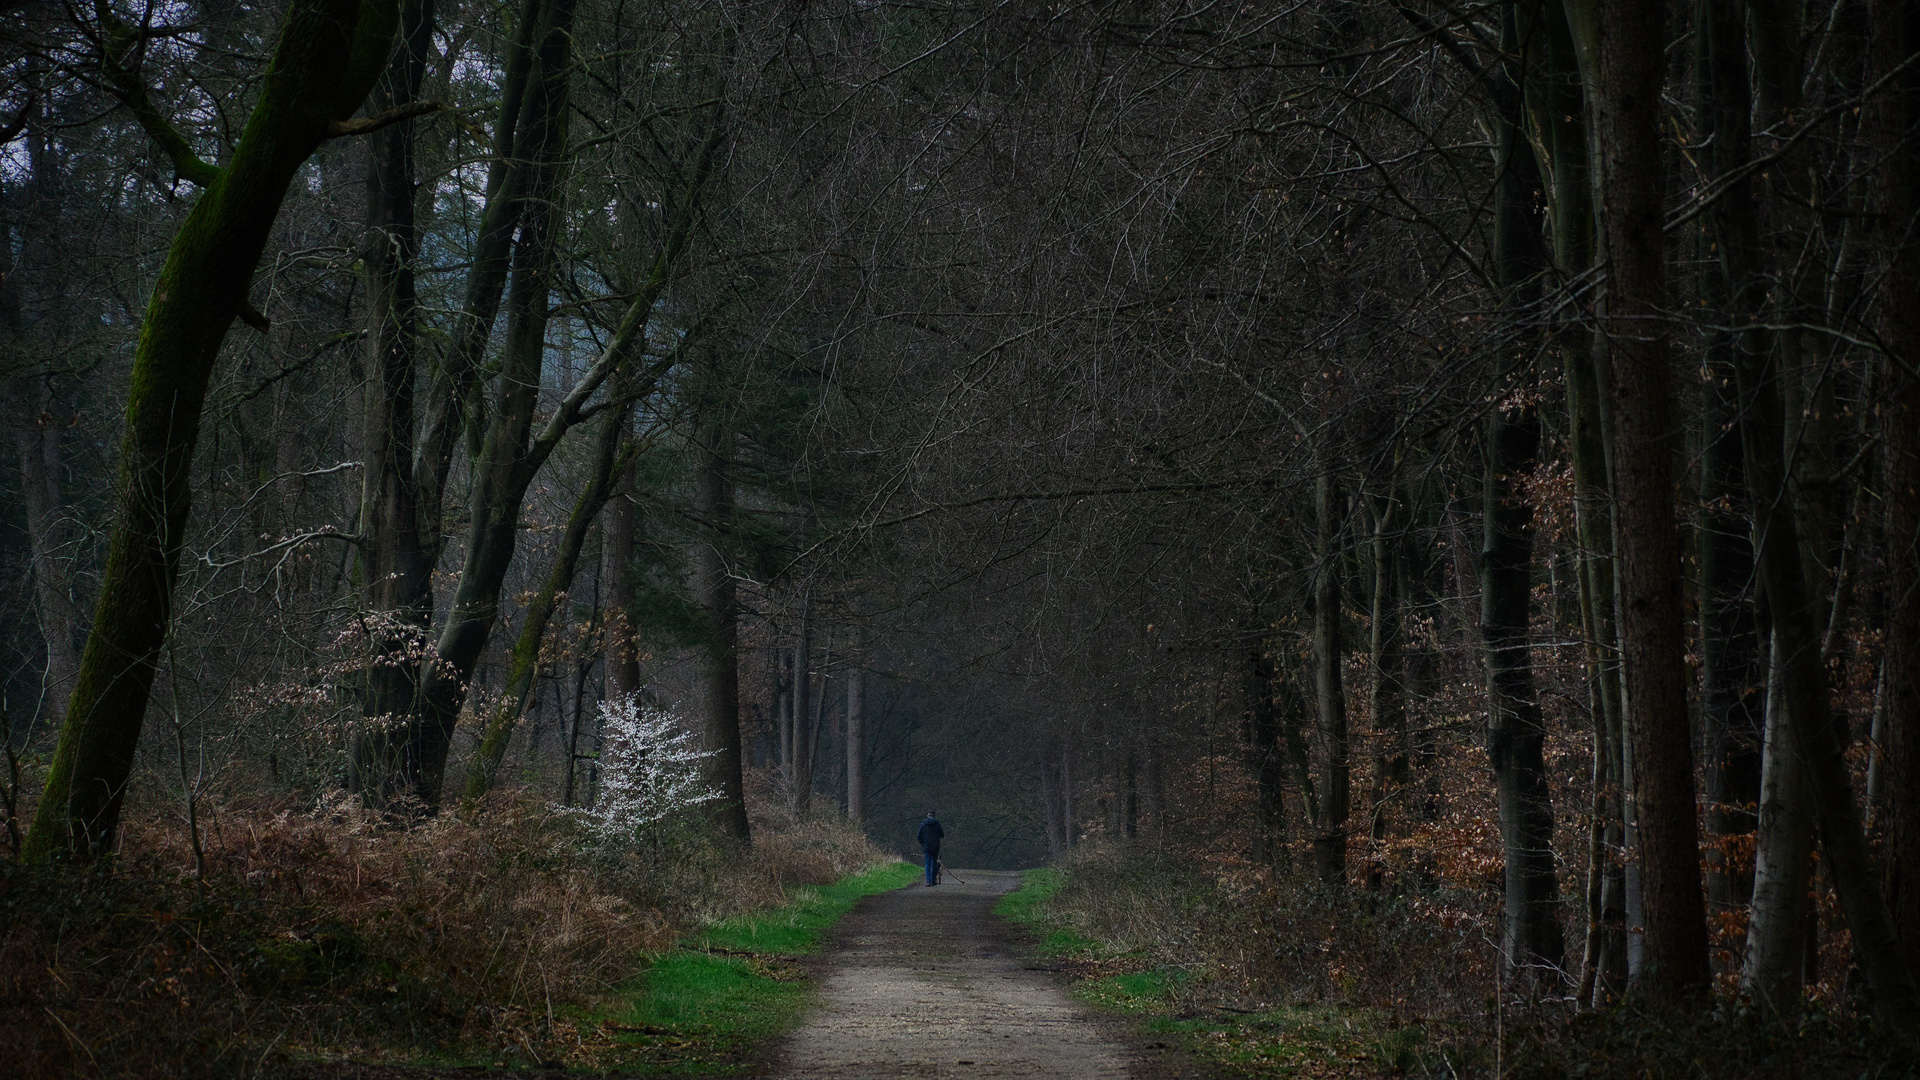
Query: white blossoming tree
point(649, 769)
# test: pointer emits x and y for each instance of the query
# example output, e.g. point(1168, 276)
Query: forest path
point(924, 982)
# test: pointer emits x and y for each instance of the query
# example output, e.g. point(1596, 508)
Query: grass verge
point(1178, 1006)
point(710, 1005)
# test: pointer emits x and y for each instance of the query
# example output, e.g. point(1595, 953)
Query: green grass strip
point(710, 1006)
point(1029, 906)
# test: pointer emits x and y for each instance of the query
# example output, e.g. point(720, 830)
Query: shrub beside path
point(923, 982)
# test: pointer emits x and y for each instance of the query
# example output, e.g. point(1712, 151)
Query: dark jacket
point(931, 834)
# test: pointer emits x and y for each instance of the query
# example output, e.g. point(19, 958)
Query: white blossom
point(649, 768)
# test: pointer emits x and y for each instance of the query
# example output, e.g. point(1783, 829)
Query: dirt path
point(924, 982)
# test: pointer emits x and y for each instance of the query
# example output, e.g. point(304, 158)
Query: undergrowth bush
point(1415, 969)
point(1276, 937)
point(325, 929)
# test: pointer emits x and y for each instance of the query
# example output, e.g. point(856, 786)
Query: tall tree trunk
point(1644, 434)
point(327, 58)
point(1896, 37)
point(404, 756)
point(397, 566)
point(1269, 756)
point(1330, 823)
point(1729, 645)
point(1390, 769)
point(616, 568)
point(54, 608)
point(720, 698)
point(856, 745)
point(1783, 867)
point(1533, 944)
point(802, 741)
point(783, 709)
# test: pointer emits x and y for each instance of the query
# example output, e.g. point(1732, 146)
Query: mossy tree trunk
point(328, 55)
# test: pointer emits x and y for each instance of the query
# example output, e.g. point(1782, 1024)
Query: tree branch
point(132, 93)
point(363, 125)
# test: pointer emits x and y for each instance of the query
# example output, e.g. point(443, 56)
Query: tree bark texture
point(327, 58)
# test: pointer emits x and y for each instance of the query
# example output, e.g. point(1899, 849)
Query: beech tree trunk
point(1533, 944)
point(1817, 737)
point(1775, 962)
point(327, 58)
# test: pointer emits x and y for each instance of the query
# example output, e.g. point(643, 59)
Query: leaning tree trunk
point(1644, 435)
point(611, 455)
point(1533, 944)
point(1804, 698)
point(403, 756)
point(328, 55)
point(616, 564)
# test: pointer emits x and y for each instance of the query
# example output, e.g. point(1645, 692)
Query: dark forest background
point(1464, 454)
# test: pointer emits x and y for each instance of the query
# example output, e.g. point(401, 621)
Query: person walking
point(930, 836)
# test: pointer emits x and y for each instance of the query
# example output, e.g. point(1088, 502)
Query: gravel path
point(923, 982)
